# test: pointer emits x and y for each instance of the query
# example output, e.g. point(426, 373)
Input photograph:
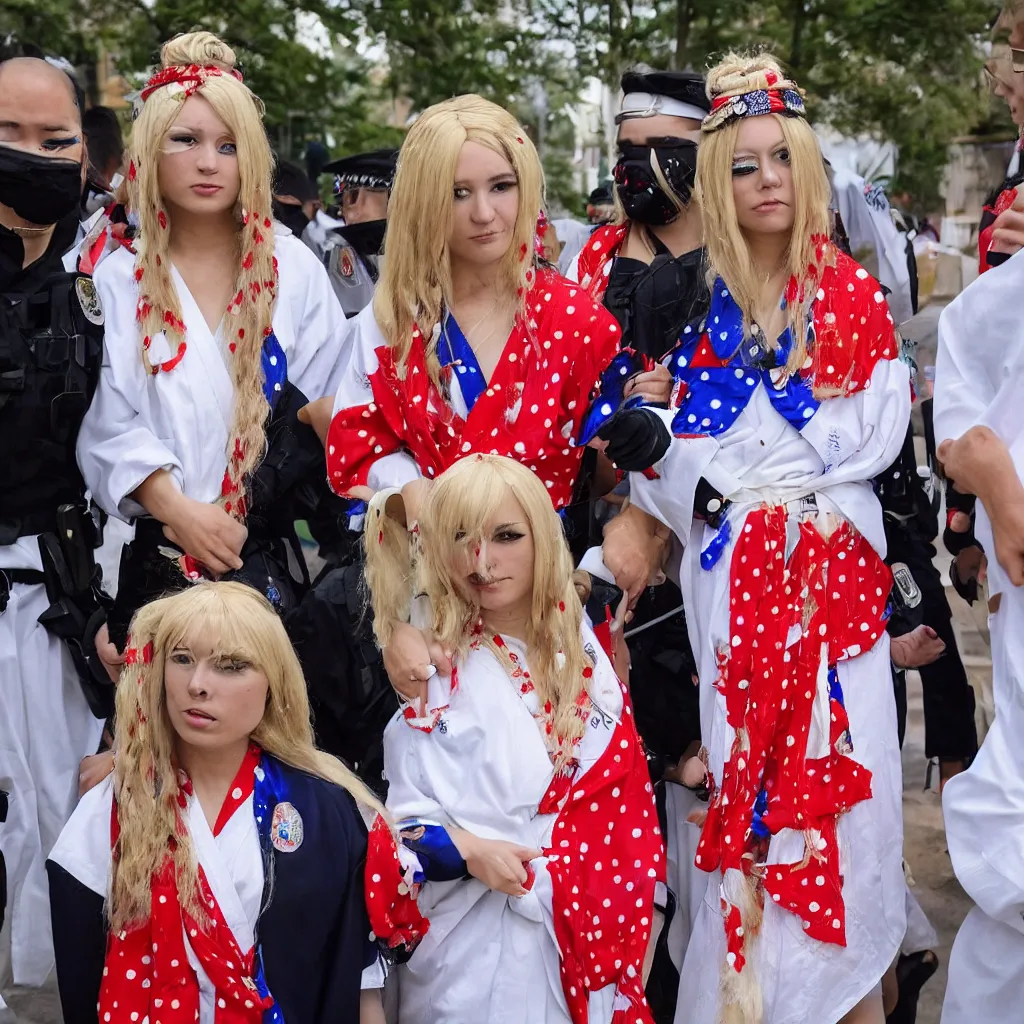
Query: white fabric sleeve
point(859, 436)
point(358, 362)
point(316, 363)
point(375, 975)
point(394, 470)
point(83, 847)
point(408, 795)
point(572, 272)
point(960, 385)
point(117, 448)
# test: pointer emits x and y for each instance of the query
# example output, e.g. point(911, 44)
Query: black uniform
point(653, 302)
point(51, 338)
point(910, 528)
point(50, 344)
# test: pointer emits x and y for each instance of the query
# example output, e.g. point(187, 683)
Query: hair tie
point(191, 76)
point(726, 109)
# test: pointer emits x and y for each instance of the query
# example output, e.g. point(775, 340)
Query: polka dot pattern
point(275, 368)
point(595, 259)
point(391, 894)
point(833, 594)
point(606, 856)
point(531, 409)
point(147, 974)
point(719, 366)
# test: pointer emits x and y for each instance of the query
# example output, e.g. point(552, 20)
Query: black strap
point(27, 576)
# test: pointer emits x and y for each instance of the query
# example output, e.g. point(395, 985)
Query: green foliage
point(896, 70)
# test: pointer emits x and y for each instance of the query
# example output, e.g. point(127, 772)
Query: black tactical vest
point(50, 349)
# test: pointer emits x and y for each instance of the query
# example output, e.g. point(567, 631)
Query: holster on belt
point(78, 607)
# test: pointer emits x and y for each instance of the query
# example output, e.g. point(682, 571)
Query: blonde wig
point(728, 253)
point(416, 280)
point(249, 315)
point(456, 518)
point(244, 627)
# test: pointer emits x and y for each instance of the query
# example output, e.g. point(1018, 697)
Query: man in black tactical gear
point(52, 704)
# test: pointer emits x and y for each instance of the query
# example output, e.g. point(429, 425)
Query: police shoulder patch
point(89, 300)
point(347, 261)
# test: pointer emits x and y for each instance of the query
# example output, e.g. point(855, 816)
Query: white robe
point(488, 956)
point(979, 379)
point(179, 421)
point(46, 728)
point(761, 457)
point(231, 861)
point(868, 226)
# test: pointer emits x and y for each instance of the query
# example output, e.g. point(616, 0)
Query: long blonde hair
point(728, 253)
point(457, 515)
point(145, 774)
point(416, 280)
point(250, 312)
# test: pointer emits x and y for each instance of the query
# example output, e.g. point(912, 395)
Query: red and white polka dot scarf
point(835, 593)
point(146, 973)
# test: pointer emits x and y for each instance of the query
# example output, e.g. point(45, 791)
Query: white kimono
point(762, 458)
point(46, 728)
point(485, 768)
point(179, 421)
point(979, 379)
point(327, 873)
point(231, 860)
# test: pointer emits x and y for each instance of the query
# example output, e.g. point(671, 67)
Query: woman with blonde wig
point(217, 330)
point(789, 399)
point(217, 875)
point(521, 785)
point(471, 343)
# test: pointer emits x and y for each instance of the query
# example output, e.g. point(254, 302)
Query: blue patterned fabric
point(438, 856)
point(275, 368)
point(609, 396)
point(760, 812)
point(729, 367)
point(835, 692)
point(454, 351)
point(716, 546)
point(269, 790)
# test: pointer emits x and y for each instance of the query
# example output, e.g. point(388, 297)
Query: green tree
point(898, 71)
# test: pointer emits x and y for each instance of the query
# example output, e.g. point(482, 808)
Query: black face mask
point(290, 216)
point(641, 196)
point(366, 237)
point(42, 190)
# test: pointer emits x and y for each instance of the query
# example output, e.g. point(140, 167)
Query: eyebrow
point(505, 526)
point(506, 176)
point(43, 127)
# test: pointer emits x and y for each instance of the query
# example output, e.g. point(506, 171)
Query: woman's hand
point(207, 533)
point(92, 770)
point(500, 865)
point(654, 386)
point(318, 415)
point(410, 658)
point(204, 531)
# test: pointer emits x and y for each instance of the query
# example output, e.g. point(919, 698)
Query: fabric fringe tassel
point(739, 988)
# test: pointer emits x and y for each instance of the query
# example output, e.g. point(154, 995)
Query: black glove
point(637, 439)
